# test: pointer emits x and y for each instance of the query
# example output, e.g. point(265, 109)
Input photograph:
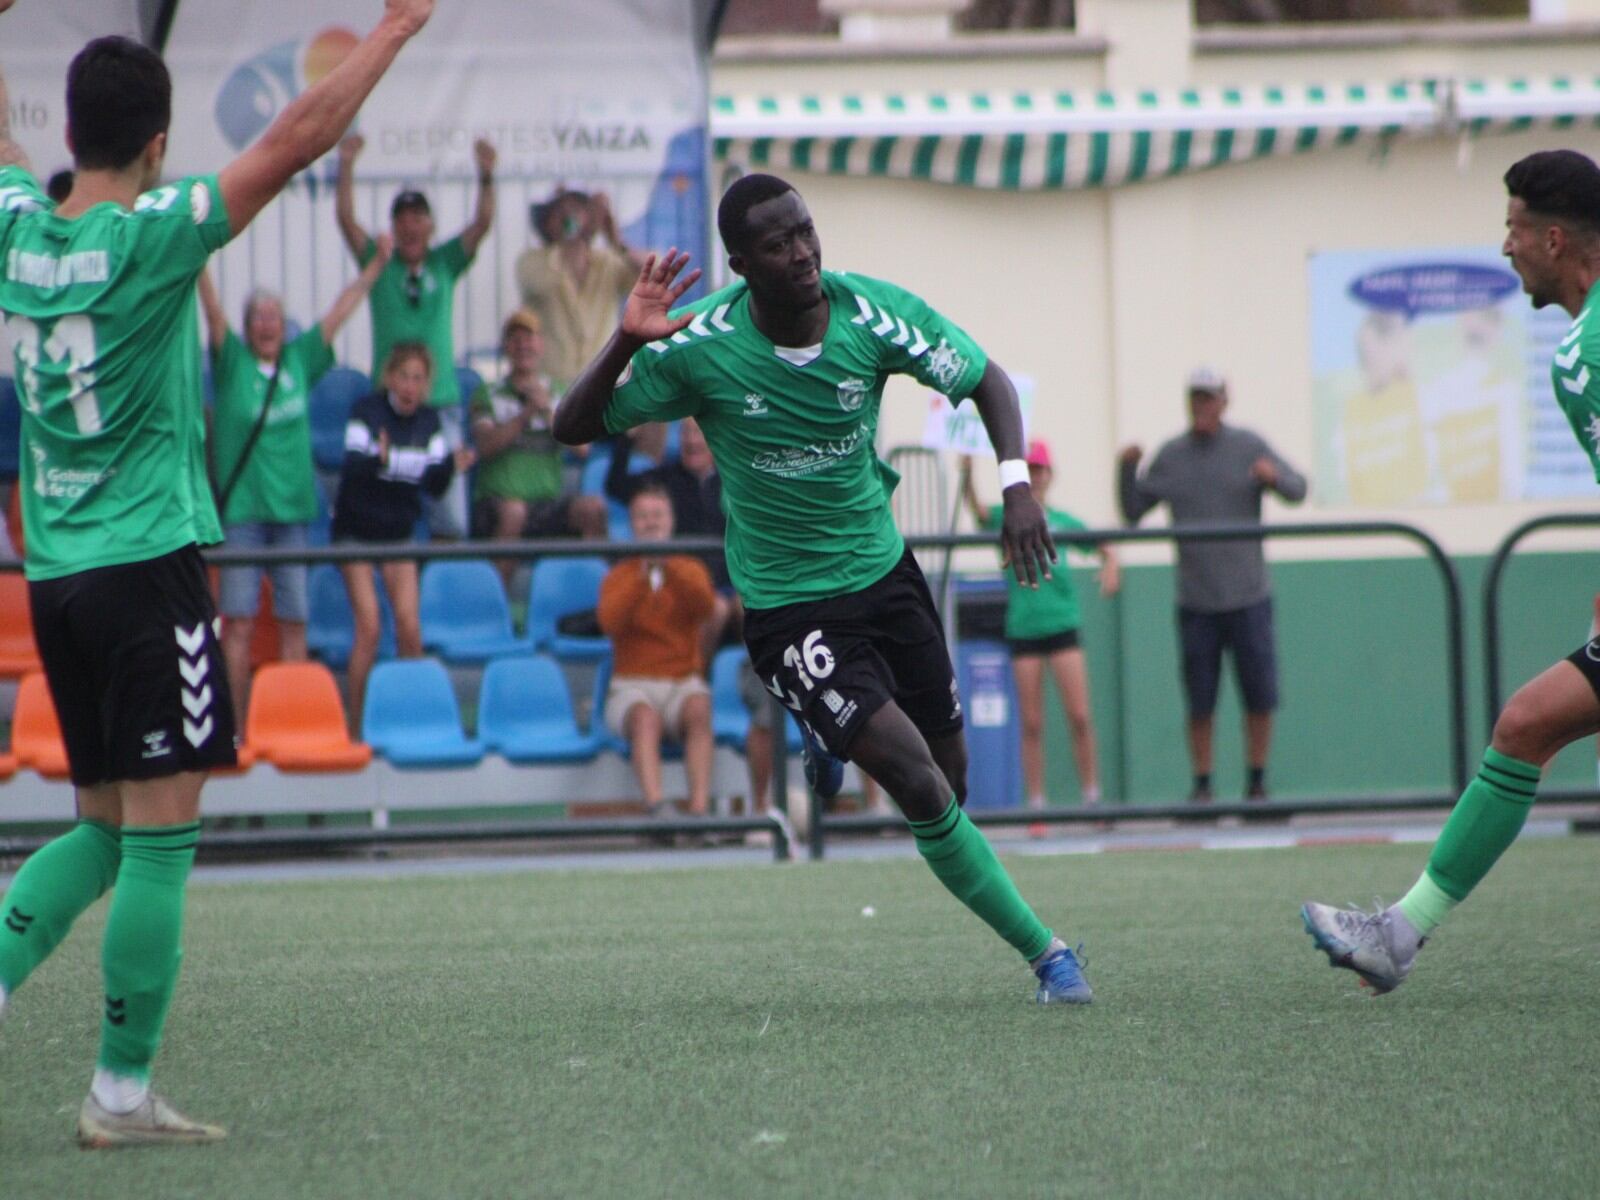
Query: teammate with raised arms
point(784, 370)
point(1553, 242)
point(99, 294)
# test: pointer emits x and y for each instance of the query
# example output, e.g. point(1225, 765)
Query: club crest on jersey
point(755, 405)
point(945, 364)
point(851, 393)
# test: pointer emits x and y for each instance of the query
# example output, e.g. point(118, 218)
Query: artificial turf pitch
point(745, 1031)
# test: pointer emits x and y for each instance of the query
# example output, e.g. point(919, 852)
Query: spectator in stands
point(414, 297)
point(1042, 631)
point(576, 286)
point(692, 482)
point(1218, 473)
point(261, 456)
point(394, 452)
point(518, 488)
point(652, 609)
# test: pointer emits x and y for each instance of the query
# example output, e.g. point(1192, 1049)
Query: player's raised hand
point(484, 156)
point(1025, 542)
point(410, 15)
point(647, 314)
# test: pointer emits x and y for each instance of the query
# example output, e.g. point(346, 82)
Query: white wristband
point(1012, 470)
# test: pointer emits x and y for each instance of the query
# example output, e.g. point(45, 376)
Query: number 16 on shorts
point(811, 662)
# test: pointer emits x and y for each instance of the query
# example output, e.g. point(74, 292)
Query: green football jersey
point(792, 431)
point(102, 311)
point(1052, 607)
point(276, 483)
point(1575, 375)
point(419, 307)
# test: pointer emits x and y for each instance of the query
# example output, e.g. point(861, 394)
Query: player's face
point(1528, 245)
point(263, 329)
point(408, 381)
point(651, 517)
point(413, 230)
point(782, 255)
point(1205, 412)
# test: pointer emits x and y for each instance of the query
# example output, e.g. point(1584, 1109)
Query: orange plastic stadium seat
point(35, 731)
point(296, 720)
point(18, 654)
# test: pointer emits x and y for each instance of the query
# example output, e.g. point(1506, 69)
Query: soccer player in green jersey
point(1553, 242)
point(784, 371)
point(99, 294)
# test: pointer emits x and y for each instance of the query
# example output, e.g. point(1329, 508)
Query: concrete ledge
point(957, 46)
point(1236, 39)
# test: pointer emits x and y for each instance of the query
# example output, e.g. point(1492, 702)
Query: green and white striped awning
point(1081, 139)
point(1507, 105)
point(1057, 139)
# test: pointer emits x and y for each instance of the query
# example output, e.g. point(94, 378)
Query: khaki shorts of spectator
point(666, 696)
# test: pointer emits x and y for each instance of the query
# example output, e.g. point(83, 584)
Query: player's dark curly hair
point(746, 192)
point(119, 96)
point(1559, 184)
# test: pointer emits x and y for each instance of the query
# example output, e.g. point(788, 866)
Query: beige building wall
point(1108, 298)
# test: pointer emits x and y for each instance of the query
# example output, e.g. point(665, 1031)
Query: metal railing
point(821, 824)
point(1491, 596)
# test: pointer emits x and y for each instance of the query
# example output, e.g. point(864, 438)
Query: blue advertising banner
point(1431, 382)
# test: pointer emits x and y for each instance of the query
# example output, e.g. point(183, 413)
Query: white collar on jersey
point(799, 356)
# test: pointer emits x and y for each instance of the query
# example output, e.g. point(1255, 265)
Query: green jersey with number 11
point(101, 309)
point(792, 430)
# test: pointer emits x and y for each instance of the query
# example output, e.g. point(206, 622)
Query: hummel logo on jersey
point(155, 744)
point(851, 393)
point(955, 701)
point(755, 405)
point(18, 921)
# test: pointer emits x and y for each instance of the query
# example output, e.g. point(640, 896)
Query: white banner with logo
point(37, 41)
point(595, 95)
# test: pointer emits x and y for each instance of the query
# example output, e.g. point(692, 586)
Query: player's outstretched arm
point(1024, 533)
point(346, 301)
point(314, 121)
point(647, 317)
point(11, 154)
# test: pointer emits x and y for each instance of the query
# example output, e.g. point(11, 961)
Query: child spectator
point(1042, 630)
point(394, 451)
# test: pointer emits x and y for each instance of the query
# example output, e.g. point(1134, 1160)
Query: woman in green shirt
point(271, 495)
point(1042, 630)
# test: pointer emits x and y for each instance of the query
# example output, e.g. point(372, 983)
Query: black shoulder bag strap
point(250, 442)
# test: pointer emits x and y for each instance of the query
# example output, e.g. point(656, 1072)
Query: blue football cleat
point(824, 772)
point(1061, 978)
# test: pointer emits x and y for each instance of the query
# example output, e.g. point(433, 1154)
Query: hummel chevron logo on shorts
point(116, 1010)
point(193, 665)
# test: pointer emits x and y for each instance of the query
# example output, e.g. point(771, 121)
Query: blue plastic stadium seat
point(468, 381)
point(525, 712)
point(330, 412)
point(411, 718)
point(465, 616)
point(559, 587)
point(730, 719)
point(10, 430)
point(599, 462)
point(331, 629)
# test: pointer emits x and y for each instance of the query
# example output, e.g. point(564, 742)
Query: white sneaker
point(1363, 942)
point(153, 1123)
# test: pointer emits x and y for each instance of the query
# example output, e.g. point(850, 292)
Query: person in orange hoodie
point(652, 608)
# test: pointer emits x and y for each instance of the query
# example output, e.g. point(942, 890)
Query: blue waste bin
point(994, 734)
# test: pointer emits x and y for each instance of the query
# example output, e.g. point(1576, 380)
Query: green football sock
point(965, 863)
point(142, 948)
point(1484, 822)
point(55, 885)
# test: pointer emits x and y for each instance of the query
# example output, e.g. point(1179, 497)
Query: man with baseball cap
point(414, 297)
point(1217, 473)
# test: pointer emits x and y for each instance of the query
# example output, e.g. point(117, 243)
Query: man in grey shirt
point(1216, 473)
